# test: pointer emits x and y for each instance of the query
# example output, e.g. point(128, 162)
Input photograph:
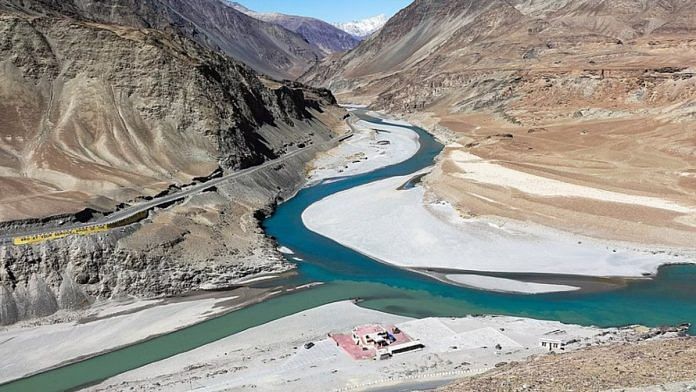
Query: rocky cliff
point(266, 47)
point(94, 114)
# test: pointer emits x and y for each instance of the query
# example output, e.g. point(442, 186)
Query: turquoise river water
point(670, 298)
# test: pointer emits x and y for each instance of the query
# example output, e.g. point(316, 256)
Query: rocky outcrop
point(95, 114)
point(100, 109)
point(211, 241)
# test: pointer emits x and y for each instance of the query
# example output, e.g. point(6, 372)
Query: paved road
point(185, 192)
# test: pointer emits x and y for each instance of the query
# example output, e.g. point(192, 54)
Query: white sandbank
point(371, 147)
point(285, 250)
point(482, 171)
point(352, 106)
point(400, 228)
point(256, 279)
point(492, 283)
point(271, 357)
point(27, 349)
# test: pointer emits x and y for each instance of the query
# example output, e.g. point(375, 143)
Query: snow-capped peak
point(365, 27)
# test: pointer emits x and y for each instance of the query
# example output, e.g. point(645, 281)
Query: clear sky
point(329, 10)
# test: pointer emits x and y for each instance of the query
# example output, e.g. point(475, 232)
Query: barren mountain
point(94, 114)
point(266, 47)
point(450, 36)
point(570, 99)
point(326, 37)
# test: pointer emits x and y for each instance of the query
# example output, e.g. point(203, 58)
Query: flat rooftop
point(362, 351)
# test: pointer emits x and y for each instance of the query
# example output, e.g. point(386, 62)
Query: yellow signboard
point(34, 239)
point(87, 230)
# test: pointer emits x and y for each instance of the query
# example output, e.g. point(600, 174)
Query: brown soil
point(636, 156)
point(622, 365)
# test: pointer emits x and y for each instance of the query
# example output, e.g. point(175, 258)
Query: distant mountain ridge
point(266, 47)
point(443, 40)
point(327, 38)
point(363, 28)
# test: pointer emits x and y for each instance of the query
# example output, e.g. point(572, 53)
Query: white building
point(552, 344)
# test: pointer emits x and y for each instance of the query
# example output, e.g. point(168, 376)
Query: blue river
point(668, 299)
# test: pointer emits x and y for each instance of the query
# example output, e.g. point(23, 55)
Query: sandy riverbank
point(371, 147)
point(28, 349)
point(271, 357)
point(507, 285)
point(413, 228)
point(617, 179)
point(409, 229)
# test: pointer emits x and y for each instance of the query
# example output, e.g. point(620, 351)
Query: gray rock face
point(266, 47)
point(39, 299)
point(70, 294)
point(8, 306)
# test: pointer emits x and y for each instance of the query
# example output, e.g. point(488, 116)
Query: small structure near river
point(552, 344)
point(375, 342)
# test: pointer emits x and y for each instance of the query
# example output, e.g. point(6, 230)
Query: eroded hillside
point(571, 99)
point(664, 365)
point(96, 114)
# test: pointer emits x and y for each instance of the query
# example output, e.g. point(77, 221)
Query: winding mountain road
point(130, 211)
